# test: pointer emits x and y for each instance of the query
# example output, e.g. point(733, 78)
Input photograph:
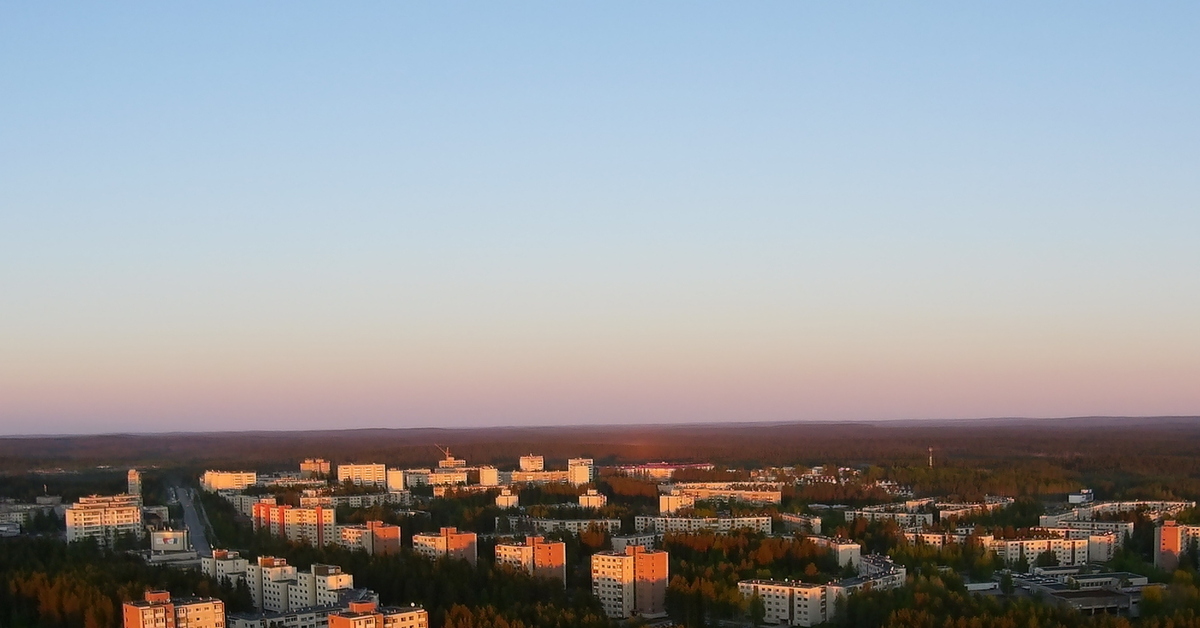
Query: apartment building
point(847, 552)
point(903, 518)
point(534, 477)
point(375, 537)
point(133, 482)
point(759, 493)
point(277, 586)
point(225, 565)
point(536, 556)
point(489, 476)
point(648, 541)
point(581, 471)
point(532, 463)
point(1170, 540)
point(1154, 509)
point(662, 470)
point(245, 503)
point(448, 542)
point(1067, 551)
point(629, 583)
point(314, 467)
point(801, 523)
point(363, 474)
point(665, 525)
point(213, 481)
point(371, 615)
point(574, 526)
point(673, 503)
point(507, 499)
point(314, 526)
point(105, 518)
point(592, 499)
point(788, 603)
point(160, 610)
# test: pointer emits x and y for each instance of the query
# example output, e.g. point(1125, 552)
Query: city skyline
point(433, 216)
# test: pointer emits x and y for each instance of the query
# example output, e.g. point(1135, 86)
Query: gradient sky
point(291, 215)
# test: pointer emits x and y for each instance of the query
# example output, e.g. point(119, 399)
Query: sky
point(278, 215)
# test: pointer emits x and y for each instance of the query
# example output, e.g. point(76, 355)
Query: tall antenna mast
point(931, 457)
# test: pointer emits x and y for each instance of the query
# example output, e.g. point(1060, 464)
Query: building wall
point(220, 480)
point(363, 474)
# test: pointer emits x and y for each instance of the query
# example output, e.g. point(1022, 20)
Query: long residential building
point(314, 526)
point(1067, 551)
point(1154, 509)
point(213, 481)
point(574, 526)
point(371, 615)
point(363, 474)
point(160, 610)
point(536, 556)
point(801, 523)
point(314, 467)
point(751, 493)
point(105, 518)
point(791, 603)
point(629, 583)
point(447, 542)
point(667, 525)
point(302, 617)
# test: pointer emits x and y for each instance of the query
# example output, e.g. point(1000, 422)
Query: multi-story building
point(592, 499)
point(213, 481)
point(665, 525)
point(370, 615)
point(633, 582)
point(489, 476)
point(363, 474)
point(105, 519)
point(224, 565)
point(846, 551)
point(448, 477)
point(536, 556)
point(133, 481)
point(534, 477)
point(245, 503)
point(800, 523)
point(507, 499)
point(621, 541)
point(395, 480)
point(448, 542)
point(673, 503)
point(1067, 551)
point(759, 493)
point(788, 603)
point(314, 526)
point(1155, 510)
point(663, 470)
point(1170, 541)
point(574, 526)
point(160, 610)
point(581, 471)
point(799, 604)
point(314, 467)
point(376, 537)
point(1121, 529)
point(532, 463)
point(303, 617)
point(450, 462)
point(277, 586)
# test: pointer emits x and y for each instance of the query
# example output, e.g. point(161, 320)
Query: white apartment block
point(314, 467)
point(671, 504)
point(846, 551)
point(788, 603)
point(592, 499)
point(574, 526)
point(1067, 551)
point(532, 463)
point(363, 474)
point(245, 503)
point(448, 542)
point(648, 541)
point(489, 476)
point(394, 479)
point(534, 477)
point(279, 587)
point(313, 526)
point(633, 582)
point(757, 493)
point(213, 481)
point(105, 519)
point(1154, 509)
point(581, 471)
point(507, 499)
point(902, 518)
point(666, 525)
point(225, 565)
point(448, 477)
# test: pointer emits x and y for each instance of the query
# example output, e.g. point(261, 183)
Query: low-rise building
point(629, 583)
point(447, 542)
point(536, 556)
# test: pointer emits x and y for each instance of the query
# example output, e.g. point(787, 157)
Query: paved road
point(192, 519)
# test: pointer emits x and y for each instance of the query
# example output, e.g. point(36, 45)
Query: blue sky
point(286, 215)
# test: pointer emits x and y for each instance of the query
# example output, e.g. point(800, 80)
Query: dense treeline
point(50, 584)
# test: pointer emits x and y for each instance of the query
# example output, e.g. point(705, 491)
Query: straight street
point(194, 521)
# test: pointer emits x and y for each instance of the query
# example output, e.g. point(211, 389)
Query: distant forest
point(1151, 457)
